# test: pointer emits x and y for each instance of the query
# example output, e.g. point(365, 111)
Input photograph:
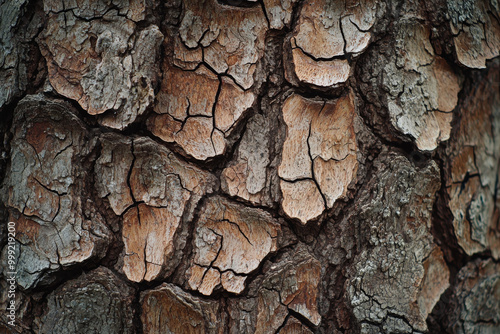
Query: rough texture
point(111, 171)
point(473, 170)
point(46, 191)
point(190, 115)
point(289, 290)
point(232, 38)
point(398, 267)
point(111, 68)
point(95, 302)
point(295, 284)
point(328, 33)
point(245, 166)
point(13, 81)
point(168, 309)
point(166, 190)
point(294, 326)
point(476, 300)
point(230, 242)
point(419, 89)
point(475, 26)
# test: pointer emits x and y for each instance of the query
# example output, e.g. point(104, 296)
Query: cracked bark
point(243, 166)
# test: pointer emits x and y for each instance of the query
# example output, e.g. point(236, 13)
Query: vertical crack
point(312, 161)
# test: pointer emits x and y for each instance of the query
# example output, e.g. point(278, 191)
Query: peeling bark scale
point(244, 166)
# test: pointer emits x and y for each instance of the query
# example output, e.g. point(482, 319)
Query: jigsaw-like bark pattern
point(244, 166)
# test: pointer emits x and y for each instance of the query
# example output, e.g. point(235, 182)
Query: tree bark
point(244, 166)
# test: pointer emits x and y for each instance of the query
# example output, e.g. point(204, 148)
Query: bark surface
point(244, 166)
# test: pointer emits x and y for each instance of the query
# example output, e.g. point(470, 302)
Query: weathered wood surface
point(243, 166)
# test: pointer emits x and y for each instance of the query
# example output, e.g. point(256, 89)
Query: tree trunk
point(232, 166)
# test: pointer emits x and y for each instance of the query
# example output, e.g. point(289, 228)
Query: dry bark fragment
point(232, 38)
point(232, 102)
point(45, 184)
point(16, 60)
point(228, 40)
point(418, 89)
point(271, 313)
point(473, 170)
point(293, 326)
point(187, 93)
point(476, 31)
point(252, 174)
point(109, 69)
point(279, 13)
point(434, 283)
point(95, 302)
point(292, 283)
point(475, 304)
point(168, 189)
point(168, 309)
point(417, 117)
point(302, 199)
point(321, 73)
point(111, 171)
point(327, 32)
point(190, 115)
point(134, 10)
point(148, 236)
point(319, 155)
point(229, 237)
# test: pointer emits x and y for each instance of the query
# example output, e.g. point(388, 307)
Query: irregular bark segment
point(317, 34)
point(475, 304)
point(160, 178)
point(232, 102)
point(319, 155)
point(16, 59)
point(417, 117)
point(110, 68)
point(296, 161)
point(95, 302)
point(187, 93)
point(148, 235)
point(279, 13)
point(230, 41)
point(476, 31)
point(193, 118)
point(291, 284)
point(293, 326)
point(134, 10)
point(46, 182)
point(8, 65)
point(232, 38)
point(419, 89)
point(434, 283)
point(398, 269)
point(111, 171)
point(322, 73)
point(271, 313)
point(329, 29)
point(252, 174)
point(302, 199)
point(168, 190)
point(229, 237)
point(474, 166)
point(168, 309)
